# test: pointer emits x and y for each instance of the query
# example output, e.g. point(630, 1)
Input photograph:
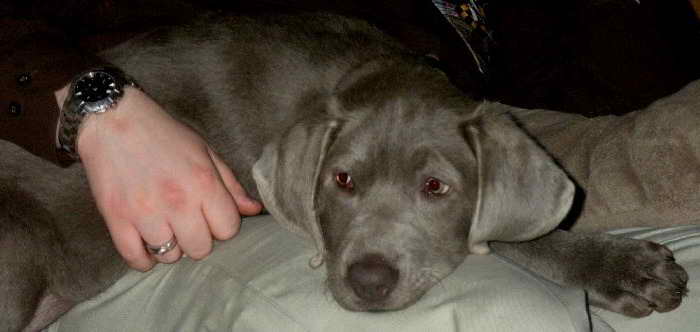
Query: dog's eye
point(344, 180)
point(435, 187)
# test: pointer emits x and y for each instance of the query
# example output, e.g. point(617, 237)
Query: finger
point(193, 235)
point(172, 256)
point(221, 214)
point(157, 232)
point(246, 205)
point(129, 244)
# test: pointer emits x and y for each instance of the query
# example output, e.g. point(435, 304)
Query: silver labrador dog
point(392, 172)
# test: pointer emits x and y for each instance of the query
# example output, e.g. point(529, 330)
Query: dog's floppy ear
point(287, 177)
point(522, 193)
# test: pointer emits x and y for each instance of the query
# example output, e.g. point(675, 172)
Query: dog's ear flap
point(523, 193)
point(287, 178)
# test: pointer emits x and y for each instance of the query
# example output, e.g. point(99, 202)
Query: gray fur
point(289, 102)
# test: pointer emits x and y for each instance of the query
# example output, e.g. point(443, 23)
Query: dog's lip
point(359, 305)
point(350, 301)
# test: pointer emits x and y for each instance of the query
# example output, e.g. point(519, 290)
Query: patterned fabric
point(468, 17)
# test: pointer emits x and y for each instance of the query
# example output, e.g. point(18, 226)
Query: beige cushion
point(261, 281)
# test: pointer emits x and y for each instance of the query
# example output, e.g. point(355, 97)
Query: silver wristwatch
point(94, 91)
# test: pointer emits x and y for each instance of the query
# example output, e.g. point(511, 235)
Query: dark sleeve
point(36, 61)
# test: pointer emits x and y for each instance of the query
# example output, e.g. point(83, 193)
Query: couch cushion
point(261, 281)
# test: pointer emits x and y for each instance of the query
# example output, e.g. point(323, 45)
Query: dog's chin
point(399, 299)
point(411, 285)
point(353, 303)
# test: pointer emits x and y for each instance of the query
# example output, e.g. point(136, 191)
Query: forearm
point(624, 275)
point(546, 255)
point(37, 61)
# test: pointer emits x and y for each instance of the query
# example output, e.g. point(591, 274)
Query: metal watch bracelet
point(75, 109)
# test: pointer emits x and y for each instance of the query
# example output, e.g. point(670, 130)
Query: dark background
point(588, 57)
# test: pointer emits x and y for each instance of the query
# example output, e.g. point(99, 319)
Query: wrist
point(115, 122)
point(91, 93)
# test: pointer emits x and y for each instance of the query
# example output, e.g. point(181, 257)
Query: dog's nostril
point(372, 278)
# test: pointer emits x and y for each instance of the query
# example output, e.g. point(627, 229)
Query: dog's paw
point(635, 278)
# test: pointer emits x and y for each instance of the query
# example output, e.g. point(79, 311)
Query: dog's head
point(401, 178)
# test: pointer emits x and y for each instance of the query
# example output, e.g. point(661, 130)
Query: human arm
point(153, 177)
point(153, 180)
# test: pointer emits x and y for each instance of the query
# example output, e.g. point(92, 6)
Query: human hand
point(154, 178)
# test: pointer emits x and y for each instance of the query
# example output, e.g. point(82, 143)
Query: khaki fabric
point(640, 169)
point(261, 281)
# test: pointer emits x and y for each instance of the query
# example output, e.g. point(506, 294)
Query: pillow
point(261, 281)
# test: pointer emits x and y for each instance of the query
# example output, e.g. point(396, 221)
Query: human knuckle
point(113, 206)
point(143, 205)
point(127, 207)
point(174, 194)
point(206, 176)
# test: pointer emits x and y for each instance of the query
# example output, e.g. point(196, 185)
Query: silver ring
point(162, 249)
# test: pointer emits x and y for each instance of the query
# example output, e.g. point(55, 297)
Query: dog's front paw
point(635, 278)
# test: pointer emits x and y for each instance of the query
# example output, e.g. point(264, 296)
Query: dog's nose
point(372, 278)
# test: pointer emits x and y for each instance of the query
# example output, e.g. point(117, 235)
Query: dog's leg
point(20, 292)
point(27, 242)
point(50, 308)
point(25, 306)
point(628, 276)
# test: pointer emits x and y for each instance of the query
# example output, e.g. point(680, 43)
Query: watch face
point(95, 86)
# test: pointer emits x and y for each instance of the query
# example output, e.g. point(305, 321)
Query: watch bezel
point(114, 91)
point(75, 108)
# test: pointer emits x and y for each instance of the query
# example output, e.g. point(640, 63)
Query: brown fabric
point(640, 169)
point(44, 54)
point(696, 6)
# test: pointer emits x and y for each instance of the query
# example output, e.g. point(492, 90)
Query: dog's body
point(346, 137)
